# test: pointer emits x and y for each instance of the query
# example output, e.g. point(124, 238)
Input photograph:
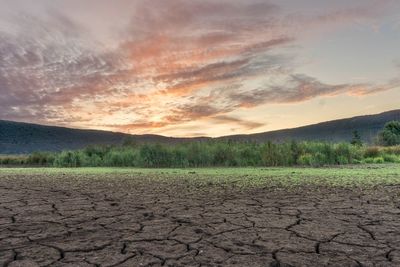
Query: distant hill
point(19, 138)
point(333, 131)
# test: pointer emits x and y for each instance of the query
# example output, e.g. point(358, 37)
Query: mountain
point(333, 131)
point(19, 138)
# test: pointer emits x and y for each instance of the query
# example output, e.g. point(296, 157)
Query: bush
point(392, 150)
point(368, 160)
point(372, 152)
point(319, 159)
point(121, 158)
point(13, 160)
point(198, 154)
point(379, 160)
point(156, 156)
point(68, 159)
point(40, 158)
point(390, 158)
point(305, 160)
point(278, 154)
point(342, 160)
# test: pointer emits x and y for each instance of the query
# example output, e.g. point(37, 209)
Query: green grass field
point(348, 176)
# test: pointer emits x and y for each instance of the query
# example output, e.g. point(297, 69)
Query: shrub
point(67, 159)
point(344, 153)
point(155, 156)
point(198, 154)
point(379, 160)
point(121, 158)
point(224, 155)
point(368, 160)
point(372, 152)
point(392, 150)
point(40, 158)
point(249, 155)
point(13, 160)
point(305, 160)
point(342, 160)
point(390, 158)
point(319, 159)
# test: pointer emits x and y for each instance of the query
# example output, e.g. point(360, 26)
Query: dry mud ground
point(62, 221)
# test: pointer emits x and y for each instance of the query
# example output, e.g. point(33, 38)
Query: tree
point(129, 141)
point(390, 135)
point(356, 140)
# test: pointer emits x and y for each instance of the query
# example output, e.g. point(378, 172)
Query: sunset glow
point(191, 68)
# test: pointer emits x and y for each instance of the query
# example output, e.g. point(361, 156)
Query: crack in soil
point(116, 222)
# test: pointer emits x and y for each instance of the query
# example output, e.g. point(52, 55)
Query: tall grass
point(212, 153)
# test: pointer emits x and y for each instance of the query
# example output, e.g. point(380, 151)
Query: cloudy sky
point(190, 68)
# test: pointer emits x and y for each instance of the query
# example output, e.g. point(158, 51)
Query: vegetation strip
point(362, 176)
point(223, 153)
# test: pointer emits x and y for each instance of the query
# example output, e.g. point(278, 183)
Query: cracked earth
point(115, 222)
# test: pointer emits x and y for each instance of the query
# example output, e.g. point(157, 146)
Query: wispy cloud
point(174, 62)
point(300, 87)
point(248, 125)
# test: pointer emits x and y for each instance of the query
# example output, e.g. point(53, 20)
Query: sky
point(197, 67)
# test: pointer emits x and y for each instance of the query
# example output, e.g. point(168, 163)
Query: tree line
point(220, 153)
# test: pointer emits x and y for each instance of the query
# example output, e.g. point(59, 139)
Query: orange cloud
point(176, 62)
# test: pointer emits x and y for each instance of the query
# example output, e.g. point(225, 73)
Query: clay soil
point(62, 221)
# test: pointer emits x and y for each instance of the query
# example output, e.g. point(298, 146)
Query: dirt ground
point(106, 222)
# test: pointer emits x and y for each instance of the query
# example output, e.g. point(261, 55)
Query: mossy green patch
point(357, 175)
